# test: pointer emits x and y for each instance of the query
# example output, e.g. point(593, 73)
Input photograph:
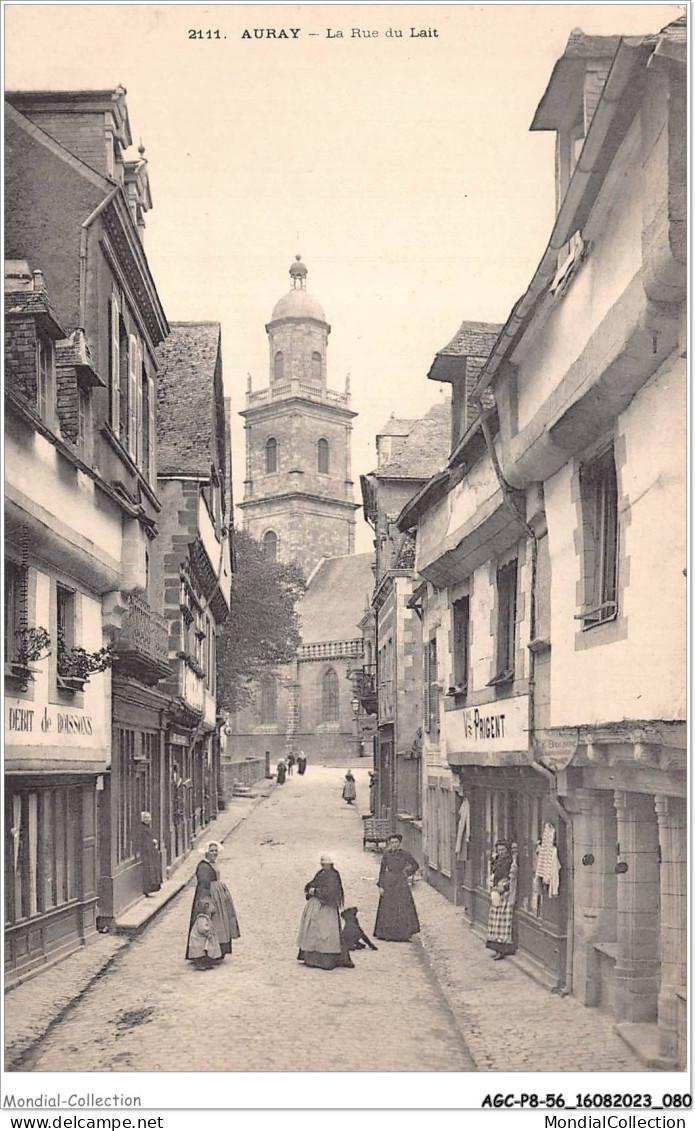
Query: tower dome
point(297, 303)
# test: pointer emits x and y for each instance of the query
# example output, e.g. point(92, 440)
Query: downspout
point(84, 236)
point(508, 495)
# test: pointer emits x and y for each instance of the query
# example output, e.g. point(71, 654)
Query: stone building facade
point(553, 552)
point(408, 452)
point(82, 510)
point(298, 490)
point(192, 566)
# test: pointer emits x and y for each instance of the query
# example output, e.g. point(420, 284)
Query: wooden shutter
point(152, 427)
point(132, 395)
point(140, 424)
point(115, 374)
point(426, 688)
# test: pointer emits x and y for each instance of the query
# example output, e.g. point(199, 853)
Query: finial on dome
point(298, 274)
point(141, 150)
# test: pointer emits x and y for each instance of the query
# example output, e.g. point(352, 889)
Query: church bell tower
point(298, 490)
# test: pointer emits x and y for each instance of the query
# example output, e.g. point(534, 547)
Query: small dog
point(353, 936)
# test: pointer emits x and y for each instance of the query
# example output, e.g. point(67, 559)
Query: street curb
point(447, 1001)
point(20, 1059)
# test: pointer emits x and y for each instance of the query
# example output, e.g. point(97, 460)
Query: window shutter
point(426, 688)
point(132, 395)
point(115, 367)
point(152, 426)
point(140, 424)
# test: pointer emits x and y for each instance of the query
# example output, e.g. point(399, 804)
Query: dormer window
point(45, 378)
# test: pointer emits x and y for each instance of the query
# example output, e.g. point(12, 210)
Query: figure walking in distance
point(212, 898)
point(501, 923)
point(281, 772)
point(349, 790)
point(319, 939)
point(396, 917)
point(148, 851)
point(301, 763)
point(290, 763)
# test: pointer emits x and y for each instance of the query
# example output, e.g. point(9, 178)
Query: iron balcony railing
point(143, 643)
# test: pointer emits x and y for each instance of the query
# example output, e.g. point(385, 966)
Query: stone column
point(637, 964)
point(673, 886)
point(594, 835)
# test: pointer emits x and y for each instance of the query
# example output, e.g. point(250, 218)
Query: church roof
point(425, 448)
point(189, 364)
point(334, 602)
point(298, 303)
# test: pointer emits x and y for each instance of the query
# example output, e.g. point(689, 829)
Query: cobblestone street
point(450, 1007)
point(262, 1010)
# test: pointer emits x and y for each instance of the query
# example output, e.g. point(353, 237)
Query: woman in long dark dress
point(149, 856)
point(282, 772)
point(301, 763)
point(501, 923)
point(396, 917)
point(349, 789)
point(319, 939)
point(214, 898)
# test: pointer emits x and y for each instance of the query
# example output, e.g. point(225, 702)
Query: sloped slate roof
point(426, 448)
point(186, 437)
point(396, 427)
point(334, 603)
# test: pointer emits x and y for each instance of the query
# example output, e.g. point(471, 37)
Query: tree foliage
point(262, 630)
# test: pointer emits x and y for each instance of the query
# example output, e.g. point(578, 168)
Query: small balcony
point(364, 685)
point(142, 646)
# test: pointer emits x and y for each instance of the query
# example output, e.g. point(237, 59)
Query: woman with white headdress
point(148, 852)
point(213, 898)
point(319, 938)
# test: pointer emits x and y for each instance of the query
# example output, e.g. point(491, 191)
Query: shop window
point(270, 545)
point(330, 697)
point(431, 690)
point(316, 367)
point(271, 455)
point(43, 831)
point(323, 457)
point(599, 496)
point(278, 366)
point(269, 701)
point(462, 643)
point(506, 622)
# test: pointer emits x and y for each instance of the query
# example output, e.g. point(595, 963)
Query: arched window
point(270, 545)
point(316, 367)
point(322, 457)
point(271, 455)
point(278, 366)
point(329, 697)
point(269, 700)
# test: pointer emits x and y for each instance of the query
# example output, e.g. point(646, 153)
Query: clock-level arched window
point(323, 457)
point(278, 367)
point(316, 367)
point(270, 545)
point(271, 455)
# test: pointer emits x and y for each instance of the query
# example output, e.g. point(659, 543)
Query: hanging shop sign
point(492, 727)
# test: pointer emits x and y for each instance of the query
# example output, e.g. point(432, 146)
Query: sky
point(402, 169)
